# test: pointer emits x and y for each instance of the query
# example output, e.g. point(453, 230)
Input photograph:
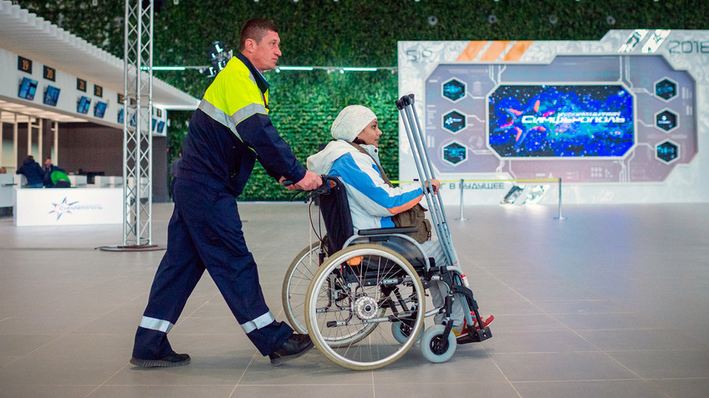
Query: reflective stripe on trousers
point(160, 325)
point(258, 323)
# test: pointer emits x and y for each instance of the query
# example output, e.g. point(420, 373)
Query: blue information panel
point(83, 104)
point(100, 109)
point(27, 88)
point(51, 95)
point(561, 121)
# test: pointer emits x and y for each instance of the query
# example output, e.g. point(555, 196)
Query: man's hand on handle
point(310, 182)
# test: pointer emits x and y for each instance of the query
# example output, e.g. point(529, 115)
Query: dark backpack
point(335, 210)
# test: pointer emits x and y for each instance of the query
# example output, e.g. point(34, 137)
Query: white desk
point(7, 183)
point(108, 181)
point(77, 180)
point(67, 206)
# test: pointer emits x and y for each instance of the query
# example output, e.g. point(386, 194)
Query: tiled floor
point(612, 302)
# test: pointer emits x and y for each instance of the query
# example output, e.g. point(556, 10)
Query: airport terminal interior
point(569, 140)
point(610, 302)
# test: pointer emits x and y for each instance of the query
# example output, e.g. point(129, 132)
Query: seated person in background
point(3, 170)
point(354, 158)
point(32, 172)
point(55, 177)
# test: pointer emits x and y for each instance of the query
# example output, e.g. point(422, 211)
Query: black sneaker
point(170, 360)
point(296, 345)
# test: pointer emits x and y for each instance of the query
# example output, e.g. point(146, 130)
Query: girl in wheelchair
point(352, 165)
point(354, 158)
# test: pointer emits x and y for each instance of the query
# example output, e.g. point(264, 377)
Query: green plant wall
point(347, 33)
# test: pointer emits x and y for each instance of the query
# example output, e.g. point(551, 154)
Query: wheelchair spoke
point(352, 306)
point(295, 286)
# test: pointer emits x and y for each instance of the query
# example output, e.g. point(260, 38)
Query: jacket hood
point(321, 162)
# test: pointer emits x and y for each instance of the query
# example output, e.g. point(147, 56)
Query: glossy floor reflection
point(611, 302)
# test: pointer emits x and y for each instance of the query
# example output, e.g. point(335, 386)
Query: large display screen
point(556, 120)
point(82, 106)
point(27, 89)
point(51, 95)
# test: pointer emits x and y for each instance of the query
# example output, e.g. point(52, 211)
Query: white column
point(14, 141)
point(40, 132)
point(2, 139)
point(29, 135)
point(55, 148)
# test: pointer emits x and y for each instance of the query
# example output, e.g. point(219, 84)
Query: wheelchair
point(362, 296)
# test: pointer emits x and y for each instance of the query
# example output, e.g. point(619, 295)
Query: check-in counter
point(108, 181)
point(20, 180)
point(7, 183)
point(67, 206)
point(77, 180)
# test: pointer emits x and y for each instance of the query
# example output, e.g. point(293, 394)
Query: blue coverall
point(229, 131)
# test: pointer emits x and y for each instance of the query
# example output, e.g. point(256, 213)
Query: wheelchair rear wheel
point(353, 292)
point(295, 285)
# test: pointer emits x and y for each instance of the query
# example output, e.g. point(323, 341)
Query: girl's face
point(370, 135)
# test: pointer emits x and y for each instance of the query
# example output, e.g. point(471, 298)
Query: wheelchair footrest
point(476, 336)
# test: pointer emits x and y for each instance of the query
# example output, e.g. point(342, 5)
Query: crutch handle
point(404, 101)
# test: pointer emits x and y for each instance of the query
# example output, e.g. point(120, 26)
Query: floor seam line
point(105, 381)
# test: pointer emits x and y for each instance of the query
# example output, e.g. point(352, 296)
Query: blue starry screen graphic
point(561, 121)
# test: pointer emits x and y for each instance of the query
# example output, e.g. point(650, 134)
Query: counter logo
point(63, 207)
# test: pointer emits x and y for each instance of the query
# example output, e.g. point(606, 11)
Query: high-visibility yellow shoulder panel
point(234, 89)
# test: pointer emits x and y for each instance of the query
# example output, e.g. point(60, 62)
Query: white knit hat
point(351, 121)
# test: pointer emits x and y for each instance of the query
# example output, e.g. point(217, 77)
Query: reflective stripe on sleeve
point(258, 323)
point(230, 122)
point(246, 112)
point(156, 324)
point(218, 115)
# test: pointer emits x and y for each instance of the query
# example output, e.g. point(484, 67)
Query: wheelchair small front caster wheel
point(435, 347)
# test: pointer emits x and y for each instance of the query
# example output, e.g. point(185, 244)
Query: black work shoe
point(296, 345)
point(170, 360)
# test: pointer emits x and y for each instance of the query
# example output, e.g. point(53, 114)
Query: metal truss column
point(138, 109)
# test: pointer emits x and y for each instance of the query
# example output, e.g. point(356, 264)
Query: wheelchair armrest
point(383, 231)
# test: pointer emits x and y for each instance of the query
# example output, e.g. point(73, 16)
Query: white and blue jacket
point(372, 202)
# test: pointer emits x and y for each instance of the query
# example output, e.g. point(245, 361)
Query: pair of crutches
point(425, 173)
point(415, 135)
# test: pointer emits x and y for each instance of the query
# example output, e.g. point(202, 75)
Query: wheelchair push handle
point(286, 183)
point(309, 182)
point(327, 185)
